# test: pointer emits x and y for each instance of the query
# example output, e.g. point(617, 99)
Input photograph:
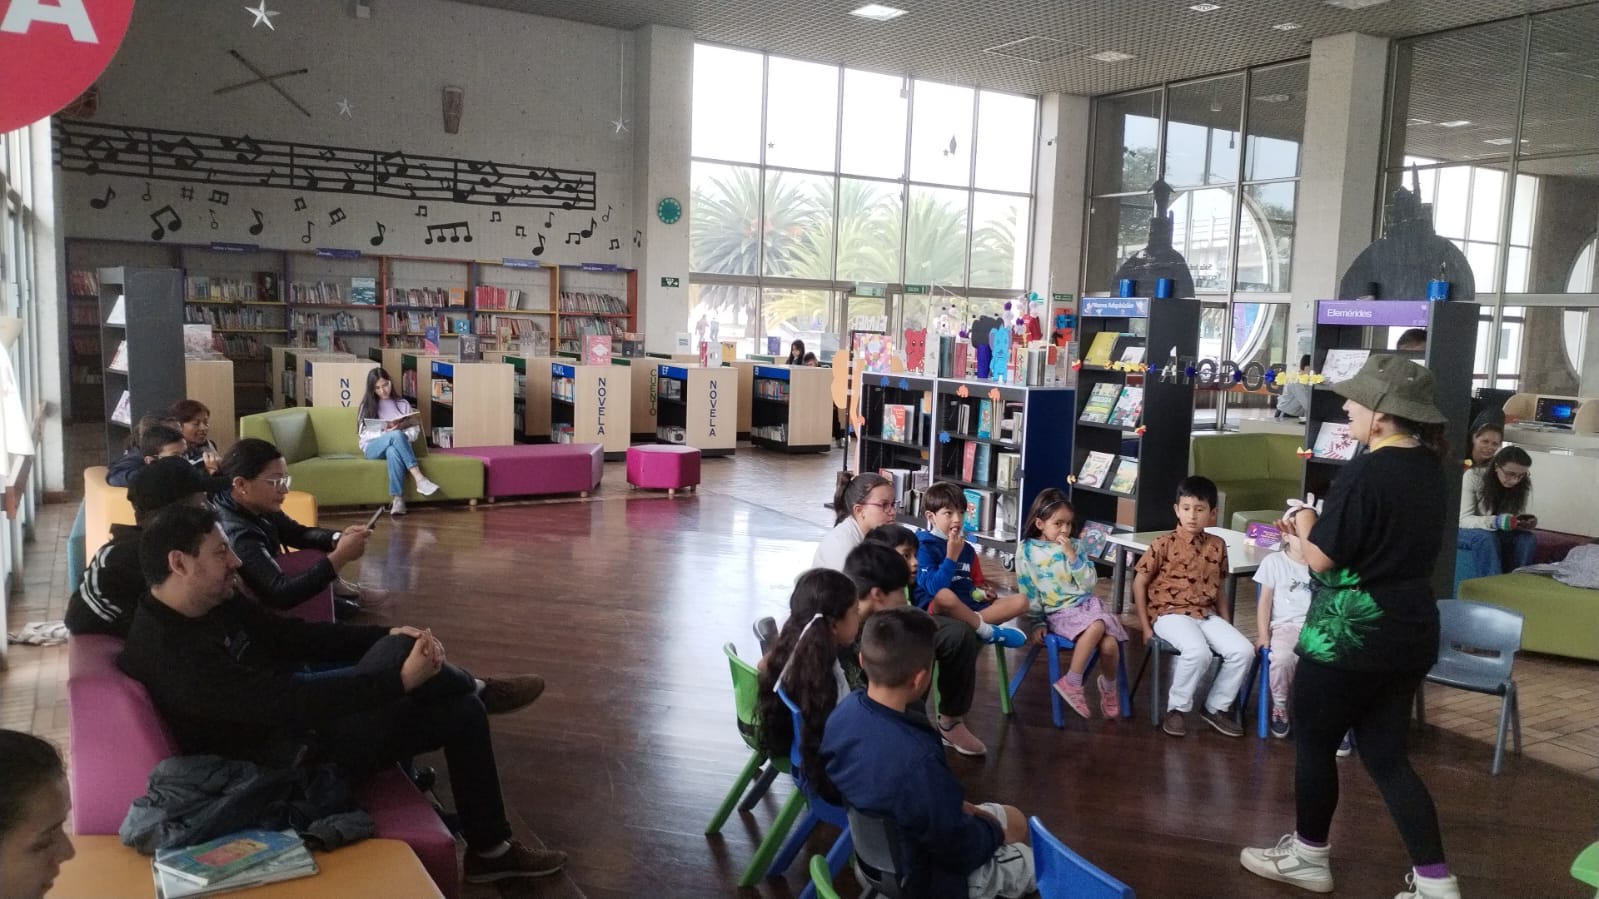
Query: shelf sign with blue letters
point(1114, 307)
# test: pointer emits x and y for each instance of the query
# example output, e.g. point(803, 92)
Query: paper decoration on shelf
point(943, 436)
point(263, 16)
point(962, 392)
point(904, 384)
point(1302, 453)
point(993, 393)
point(884, 381)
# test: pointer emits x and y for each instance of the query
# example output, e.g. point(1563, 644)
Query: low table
point(380, 869)
point(537, 469)
point(1243, 557)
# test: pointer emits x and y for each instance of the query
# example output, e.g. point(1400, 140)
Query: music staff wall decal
point(166, 155)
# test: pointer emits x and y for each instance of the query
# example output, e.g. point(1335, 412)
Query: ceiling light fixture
point(1287, 26)
point(1110, 56)
point(1354, 4)
point(1503, 141)
point(1205, 7)
point(1457, 123)
point(1414, 122)
point(1273, 98)
point(877, 12)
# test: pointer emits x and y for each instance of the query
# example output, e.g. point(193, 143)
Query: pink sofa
point(537, 469)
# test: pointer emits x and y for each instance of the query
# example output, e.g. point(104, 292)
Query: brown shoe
point(502, 695)
point(1223, 722)
point(518, 861)
point(1174, 723)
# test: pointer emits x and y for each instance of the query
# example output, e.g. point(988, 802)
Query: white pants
point(1008, 873)
point(1195, 640)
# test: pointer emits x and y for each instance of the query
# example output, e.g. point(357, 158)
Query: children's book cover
point(1129, 407)
point(1100, 402)
point(1126, 479)
point(1099, 351)
point(1334, 442)
point(1095, 470)
point(1095, 537)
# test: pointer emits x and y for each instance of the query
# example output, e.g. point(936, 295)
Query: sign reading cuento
point(1114, 307)
point(1380, 313)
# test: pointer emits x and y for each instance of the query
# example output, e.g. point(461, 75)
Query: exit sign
point(669, 282)
point(918, 289)
point(874, 291)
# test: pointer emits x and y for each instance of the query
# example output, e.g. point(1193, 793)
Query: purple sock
point(1074, 679)
point(1315, 845)
point(1435, 872)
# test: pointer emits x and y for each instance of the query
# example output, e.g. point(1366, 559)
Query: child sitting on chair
point(887, 763)
point(1058, 579)
point(1179, 593)
point(1284, 580)
point(949, 578)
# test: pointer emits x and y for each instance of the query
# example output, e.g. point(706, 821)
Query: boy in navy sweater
point(948, 577)
point(887, 763)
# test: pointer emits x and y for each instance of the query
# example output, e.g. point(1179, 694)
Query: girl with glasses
point(861, 503)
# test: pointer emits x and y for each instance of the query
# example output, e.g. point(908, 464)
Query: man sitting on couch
point(223, 673)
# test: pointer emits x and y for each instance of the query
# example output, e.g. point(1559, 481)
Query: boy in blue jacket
point(948, 578)
point(889, 764)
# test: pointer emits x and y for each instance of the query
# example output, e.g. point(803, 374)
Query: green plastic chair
point(1585, 868)
point(746, 686)
point(1004, 682)
point(822, 879)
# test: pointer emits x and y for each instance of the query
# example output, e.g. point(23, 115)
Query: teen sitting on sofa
point(386, 429)
point(1495, 533)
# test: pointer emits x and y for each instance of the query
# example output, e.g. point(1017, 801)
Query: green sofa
point(325, 460)
point(1251, 471)
point(1557, 619)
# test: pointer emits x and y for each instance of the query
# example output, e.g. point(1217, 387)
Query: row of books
point(990, 512)
point(362, 292)
point(772, 389)
point(442, 437)
point(776, 433)
point(343, 321)
point(234, 317)
point(1115, 404)
point(580, 327)
point(418, 322)
point(909, 484)
point(563, 389)
point(593, 303)
point(670, 389)
point(981, 463)
point(986, 418)
point(83, 312)
point(1105, 344)
point(1097, 472)
point(86, 345)
point(489, 297)
point(425, 296)
point(262, 289)
point(408, 382)
point(83, 283)
point(508, 327)
point(443, 390)
point(239, 346)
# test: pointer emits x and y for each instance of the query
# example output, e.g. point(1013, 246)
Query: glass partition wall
point(1229, 147)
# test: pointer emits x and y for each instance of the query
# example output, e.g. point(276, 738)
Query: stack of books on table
point(239, 860)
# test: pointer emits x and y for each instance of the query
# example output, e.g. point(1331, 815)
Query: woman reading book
point(387, 425)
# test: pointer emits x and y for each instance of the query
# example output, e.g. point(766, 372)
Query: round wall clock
point(669, 210)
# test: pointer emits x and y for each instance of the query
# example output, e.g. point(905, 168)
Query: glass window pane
point(1562, 82)
point(724, 219)
point(1202, 131)
point(1203, 234)
point(1487, 190)
point(1485, 330)
point(1276, 121)
point(1005, 141)
point(1522, 209)
point(1266, 237)
point(870, 218)
point(1118, 227)
point(718, 312)
point(798, 228)
point(875, 111)
point(1127, 129)
point(727, 104)
point(796, 315)
point(801, 114)
point(1449, 212)
point(999, 241)
point(1484, 260)
point(941, 133)
point(1464, 89)
point(1516, 270)
point(935, 237)
point(1563, 218)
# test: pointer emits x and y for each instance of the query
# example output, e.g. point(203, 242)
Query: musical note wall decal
point(638, 238)
point(607, 216)
point(377, 239)
point(615, 244)
point(260, 223)
point(336, 216)
point(494, 216)
point(549, 220)
point(171, 222)
point(306, 237)
point(214, 224)
point(146, 196)
point(539, 250)
point(437, 232)
point(574, 237)
point(187, 193)
point(521, 230)
point(103, 202)
point(220, 197)
point(421, 210)
point(589, 231)
point(299, 204)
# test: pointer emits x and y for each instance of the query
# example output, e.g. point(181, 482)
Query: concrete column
point(662, 117)
point(48, 332)
point(1062, 194)
point(1340, 168)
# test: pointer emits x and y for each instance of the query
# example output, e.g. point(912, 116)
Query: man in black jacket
point(222, 672)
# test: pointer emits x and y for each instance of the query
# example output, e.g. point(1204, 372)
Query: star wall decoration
point(345, 107)
point(619, 125)
point(263, 16)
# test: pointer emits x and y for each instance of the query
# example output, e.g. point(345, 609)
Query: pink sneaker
point(959, 737)
point(1074, 697)
point(1110, 698)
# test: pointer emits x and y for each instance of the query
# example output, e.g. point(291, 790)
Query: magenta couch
point(537, 469)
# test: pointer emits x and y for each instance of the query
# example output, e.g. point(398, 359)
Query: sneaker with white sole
point(960, 738)
point(1110, 698)
point(426, 487)
point(1008, 637)
point(1346, 748)
point(398, 506)
point(519, 860)
point(1279, 722)
point(1074, 696)
point(1418, 887)
point(1292, 862)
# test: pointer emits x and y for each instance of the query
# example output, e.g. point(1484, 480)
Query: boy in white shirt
point(1284, 598)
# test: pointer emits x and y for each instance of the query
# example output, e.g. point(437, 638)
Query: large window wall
point(809, 179)
point(1495, 125)
point(1229, 146)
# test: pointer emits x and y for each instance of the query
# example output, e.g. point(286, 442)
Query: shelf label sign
point(521, 263)
point(234, 247)
point(344, 391)
point(599, 267)
point(51, 51)
point(599, 409)
point(1383, 313)
point(336, 253)
point(713, 409)
point(1114, 307)
point(669, 282)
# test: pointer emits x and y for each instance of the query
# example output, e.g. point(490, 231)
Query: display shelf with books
point(422, 294)
point(1132, 425)
point(595, 298)
point(792, 409)
point(141, 346)
point(1347, 333)
point(695, 407)
point(530, 378)
point(84, 397)
point(897, 434)
point(474, 401)
point(511, 299)
point(644, 375)
point(589, 404)
point(294, 379)
point(416, 384)
point(334, 380)
point(1002, 444)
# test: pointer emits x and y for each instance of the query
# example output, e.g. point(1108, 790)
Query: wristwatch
point(336, 536)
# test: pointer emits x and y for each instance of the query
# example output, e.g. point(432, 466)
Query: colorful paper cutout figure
point(999, 364)
point(915, 349)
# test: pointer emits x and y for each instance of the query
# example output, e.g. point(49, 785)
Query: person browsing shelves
point(388, 427)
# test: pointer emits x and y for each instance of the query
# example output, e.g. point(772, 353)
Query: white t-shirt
point(835, 547)
point(1290, 585)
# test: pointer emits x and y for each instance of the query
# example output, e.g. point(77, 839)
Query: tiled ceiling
point(1039, 45)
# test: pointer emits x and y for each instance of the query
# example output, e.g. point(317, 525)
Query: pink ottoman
point(663, 467)
point(535, 469)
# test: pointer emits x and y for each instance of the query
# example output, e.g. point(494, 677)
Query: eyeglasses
point(278, 483)
point(887, 506)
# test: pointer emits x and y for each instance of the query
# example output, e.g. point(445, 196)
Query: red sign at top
point(52, 50)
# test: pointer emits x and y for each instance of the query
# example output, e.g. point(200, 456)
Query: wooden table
point(379, 869)
point(1243, 557)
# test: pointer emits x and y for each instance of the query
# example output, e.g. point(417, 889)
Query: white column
point(663, 117)
point(1062, 178)
point(49, 268)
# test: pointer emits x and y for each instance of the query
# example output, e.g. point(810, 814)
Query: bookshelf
point(746, 390)
point(85, 376)
point(211, 382)
point(694, 407)
point(898, 441)
point(333, 302)
point(419, 294)
point(511, 299)
point(1160, 452)
point(587, 405)
point(595, 298)
point(1002, 458)
point(1450, 326)
point(531, 379)
point(292, 372)
point(792, 409)
point(149, 376)
point(471, 403)
point(644, 375)
point(335, 381)
point(240, 295)
point(416, 384)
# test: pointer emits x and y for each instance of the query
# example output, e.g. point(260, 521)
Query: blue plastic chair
point(1063, 874)
point(1485, 629)
point(1056, 645)
point(817, 810)
point(1261, 668)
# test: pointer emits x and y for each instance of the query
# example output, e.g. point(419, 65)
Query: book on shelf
point(444, 437)
point(985, 417)
point(1126, 477)
point(632, 345)
point(119, 312)
point(1333, 441)
point(364, 291)
point(900, 479)
point(293, 864)
point(1133, 353)
point(83, 283)
point(897, 422)
point(1007, 465)
point(963, 418)
point(224, 857)
point(119, 359)
point(968, 461)
point(982, 466)
point(597, 349)
point(1096, 469)
point(1006, 514)
point(123, 413)
point(198, 342)
point(1341, 364)
point(979, 510)
point(457, 296)
point(1010, 427)
point(1099, 351)
point(468, 349)
point(1100, 402)
point(1095, 537)
point(1129, 407)
point(266, 287)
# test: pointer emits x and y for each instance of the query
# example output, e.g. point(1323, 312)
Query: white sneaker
point(426, 487)
point(1291, 862)
point(398, 506)
point(1430, 887)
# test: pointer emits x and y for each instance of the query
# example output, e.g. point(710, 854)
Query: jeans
point(1481, 553)
point(394, 447)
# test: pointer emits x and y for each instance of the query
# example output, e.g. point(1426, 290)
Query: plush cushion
point(1557, 619)
point(293, 435)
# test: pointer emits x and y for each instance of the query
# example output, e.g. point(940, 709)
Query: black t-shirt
point(1381, 526)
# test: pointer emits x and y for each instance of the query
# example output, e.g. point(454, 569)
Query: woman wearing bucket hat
point(1371, 633)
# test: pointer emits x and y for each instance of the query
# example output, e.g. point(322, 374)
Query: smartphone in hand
point(375, 516)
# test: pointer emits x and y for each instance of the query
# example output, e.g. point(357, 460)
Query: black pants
point(955, 646)
point(1327, 703)
point(443, 713)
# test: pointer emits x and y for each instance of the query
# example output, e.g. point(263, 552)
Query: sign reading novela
point(599, 414)
point(713, 409)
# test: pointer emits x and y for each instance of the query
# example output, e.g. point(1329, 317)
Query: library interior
point(1162, 346)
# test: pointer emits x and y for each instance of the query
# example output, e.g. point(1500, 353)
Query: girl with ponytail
point(862, 502)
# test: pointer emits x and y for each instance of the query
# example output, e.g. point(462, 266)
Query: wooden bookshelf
point(211, 382)
point(418, 294)
point(589, 404)
point(513, 298)
point(531, 378)
point(695, 407)
point(746, 391)
point(343, 294)
point(335, 382)
point(595, 298)
point(297, 369)
point(472, 403)
point(240, 295)
point(792, 409)
point(415, 384)
point(151, 336)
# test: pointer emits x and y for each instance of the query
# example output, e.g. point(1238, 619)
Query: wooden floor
point(623, 603)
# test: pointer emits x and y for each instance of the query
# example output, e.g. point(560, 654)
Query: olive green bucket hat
point(1394, 386)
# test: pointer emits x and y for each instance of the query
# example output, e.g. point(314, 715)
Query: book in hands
point(224, 857)
point(407, 420)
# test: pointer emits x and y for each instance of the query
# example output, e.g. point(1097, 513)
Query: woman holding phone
point(387, 425)
point(1495, 529)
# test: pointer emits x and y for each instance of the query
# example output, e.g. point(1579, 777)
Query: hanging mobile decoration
point(344, 108)
point(619, 124)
